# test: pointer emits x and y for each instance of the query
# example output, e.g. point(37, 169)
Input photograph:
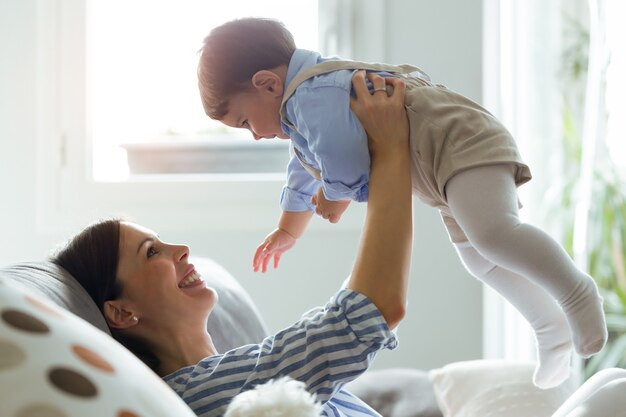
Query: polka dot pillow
point(54, 364)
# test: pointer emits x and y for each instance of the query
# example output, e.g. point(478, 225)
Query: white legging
point(484, 203)
point(526, 266)
point(602, 395)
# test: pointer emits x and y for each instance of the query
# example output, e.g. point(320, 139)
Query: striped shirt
point(326, 348)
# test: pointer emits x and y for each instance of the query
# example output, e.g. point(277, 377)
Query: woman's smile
point(193, 279)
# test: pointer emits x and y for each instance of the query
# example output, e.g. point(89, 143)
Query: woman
point(157, 305)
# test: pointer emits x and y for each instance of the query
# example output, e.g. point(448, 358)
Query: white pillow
point(494, 388)
point(54, 364)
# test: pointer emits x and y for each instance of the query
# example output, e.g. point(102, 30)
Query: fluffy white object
point(283, 397)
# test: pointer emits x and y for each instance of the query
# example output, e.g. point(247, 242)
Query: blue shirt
point(325, 349)
point(327, 134)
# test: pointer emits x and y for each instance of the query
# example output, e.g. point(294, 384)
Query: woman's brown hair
point(91, 257)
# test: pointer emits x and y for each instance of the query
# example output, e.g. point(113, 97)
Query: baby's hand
point(329, 210)
point(274, 245)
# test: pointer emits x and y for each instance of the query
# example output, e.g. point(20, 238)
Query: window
point(615, 82)
point(82, 174)
point(527, 46)
point(144, 108)
point(522, 51)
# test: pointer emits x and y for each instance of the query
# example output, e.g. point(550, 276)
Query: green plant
point(606, 230)
point(606, 257)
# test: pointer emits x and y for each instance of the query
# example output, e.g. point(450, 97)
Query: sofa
point(57, 359)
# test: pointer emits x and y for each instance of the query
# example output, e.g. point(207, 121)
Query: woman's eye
point(151, 252)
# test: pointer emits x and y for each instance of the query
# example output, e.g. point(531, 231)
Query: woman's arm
point(382, 265)
point(334, 344)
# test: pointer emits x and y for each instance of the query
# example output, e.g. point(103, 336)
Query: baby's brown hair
point(233, 52)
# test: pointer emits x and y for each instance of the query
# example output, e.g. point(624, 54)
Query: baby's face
point(256, 111)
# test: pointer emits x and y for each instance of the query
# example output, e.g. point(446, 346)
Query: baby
point(464, 163)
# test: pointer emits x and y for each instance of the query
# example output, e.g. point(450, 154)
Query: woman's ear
point(268, 81)
point(117, 316)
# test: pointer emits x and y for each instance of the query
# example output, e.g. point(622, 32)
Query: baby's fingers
point(257, 257)
point(265, 261)
point(263, 252)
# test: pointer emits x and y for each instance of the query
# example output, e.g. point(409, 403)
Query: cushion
point(400, 392)
point(54, 364)
point(235, 321)
point(495, 388)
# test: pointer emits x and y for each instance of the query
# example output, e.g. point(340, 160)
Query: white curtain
point(522, 53)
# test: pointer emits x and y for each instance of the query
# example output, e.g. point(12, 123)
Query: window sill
point(207, 157)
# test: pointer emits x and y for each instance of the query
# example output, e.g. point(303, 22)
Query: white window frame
point(65, 185)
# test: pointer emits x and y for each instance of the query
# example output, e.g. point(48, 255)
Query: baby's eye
point(151, 252)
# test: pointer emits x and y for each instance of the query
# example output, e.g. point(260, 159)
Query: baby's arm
point(338, 143)
point(291, 226)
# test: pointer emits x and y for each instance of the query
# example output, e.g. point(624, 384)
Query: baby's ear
point(268, 81)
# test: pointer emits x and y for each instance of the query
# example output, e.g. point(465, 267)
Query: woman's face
point(158, 280)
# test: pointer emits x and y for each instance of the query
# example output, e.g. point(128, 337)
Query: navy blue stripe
point(333, 409)
point(256, 364)
point(292, 368)
point(215, 389)
point(351, 309)
point(331, 379)
point(365, 316)
point(334, 362)
point(222, 402)
point(322, 350)
point(313, 354)
point(307, 321)
point(353, 406)
point(348, 375)
point(377, 328)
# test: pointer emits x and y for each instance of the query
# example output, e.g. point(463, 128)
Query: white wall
point(444, 318)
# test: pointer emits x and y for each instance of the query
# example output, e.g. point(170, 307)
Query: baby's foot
point(585, 317)
point(554, 351)
point(553, 366)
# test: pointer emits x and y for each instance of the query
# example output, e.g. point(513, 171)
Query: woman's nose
point(181, 252)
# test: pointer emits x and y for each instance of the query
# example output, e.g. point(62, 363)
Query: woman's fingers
point(358, 83)
point(397, 92)
point(380, 114)
point(378, 83)
point(360, 86)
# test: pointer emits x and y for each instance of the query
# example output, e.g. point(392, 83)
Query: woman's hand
point(383, 117)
